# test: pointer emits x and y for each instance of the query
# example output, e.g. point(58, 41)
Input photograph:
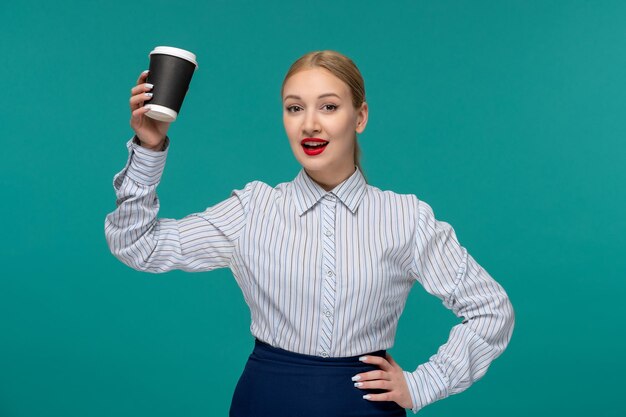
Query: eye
point(293, 108)
point(330, 107)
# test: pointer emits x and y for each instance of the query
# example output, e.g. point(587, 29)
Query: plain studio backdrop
point(507, 117)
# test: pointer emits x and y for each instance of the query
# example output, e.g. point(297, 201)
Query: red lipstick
point(313, 146)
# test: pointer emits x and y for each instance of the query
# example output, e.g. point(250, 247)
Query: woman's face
point(321, 124)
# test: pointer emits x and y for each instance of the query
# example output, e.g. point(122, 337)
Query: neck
point(328, 181)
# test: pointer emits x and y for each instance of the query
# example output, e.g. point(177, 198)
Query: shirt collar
point(308, 192)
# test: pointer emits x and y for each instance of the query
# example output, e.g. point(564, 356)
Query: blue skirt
point(279, 383)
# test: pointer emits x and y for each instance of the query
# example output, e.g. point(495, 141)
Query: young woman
point(325, 262)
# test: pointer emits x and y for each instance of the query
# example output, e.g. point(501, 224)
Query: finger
point(140, 112)
point(371, 375)
point(377, 384)
point(376, 360)
point(140, 88)
point(142, 77)
point(385, 396)
point(137, 101)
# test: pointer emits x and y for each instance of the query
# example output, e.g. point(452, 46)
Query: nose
point(310, 124)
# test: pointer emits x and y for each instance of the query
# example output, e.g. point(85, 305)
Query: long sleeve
point(446, 270)
point(199, 242)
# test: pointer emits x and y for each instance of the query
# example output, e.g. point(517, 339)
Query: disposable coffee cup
point(171, 70)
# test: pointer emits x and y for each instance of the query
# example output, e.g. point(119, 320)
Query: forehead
point(312, 82)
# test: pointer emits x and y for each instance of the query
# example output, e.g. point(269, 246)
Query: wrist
point(157, 148)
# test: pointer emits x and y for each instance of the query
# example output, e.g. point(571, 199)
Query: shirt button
point(324, 354)
point(329, 273)
point(328, 233)
point(328, 313)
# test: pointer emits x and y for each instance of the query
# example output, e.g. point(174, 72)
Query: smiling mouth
point(313, 146)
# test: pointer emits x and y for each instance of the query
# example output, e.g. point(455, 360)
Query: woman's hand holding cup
point(151, 132)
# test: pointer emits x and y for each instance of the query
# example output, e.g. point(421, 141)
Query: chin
point(309, 163)
point(314, 165)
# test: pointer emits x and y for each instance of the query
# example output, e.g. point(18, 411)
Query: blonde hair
point(341, 67)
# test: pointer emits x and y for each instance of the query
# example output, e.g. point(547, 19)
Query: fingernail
point(145, 71)
point(363, 358)
point(367, 397)
point(149, 86)
point(358, 384)
point(356, 377)
point(148, 94)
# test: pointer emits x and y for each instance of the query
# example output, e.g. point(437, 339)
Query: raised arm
point(199, 242)
point(446, 270)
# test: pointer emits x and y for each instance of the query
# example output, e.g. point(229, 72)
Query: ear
point(361, 120)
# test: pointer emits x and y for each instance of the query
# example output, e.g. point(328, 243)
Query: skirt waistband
point(264, 350)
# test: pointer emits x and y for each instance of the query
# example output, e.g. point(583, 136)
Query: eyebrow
point(320, 96)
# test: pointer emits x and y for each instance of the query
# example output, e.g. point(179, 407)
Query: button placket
point(328, 270)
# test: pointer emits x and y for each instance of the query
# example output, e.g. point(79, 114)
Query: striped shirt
point(324, 273)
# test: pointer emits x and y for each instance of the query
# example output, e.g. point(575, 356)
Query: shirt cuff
point(146, 166)
point(426, 385)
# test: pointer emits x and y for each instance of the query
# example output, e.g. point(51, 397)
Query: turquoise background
point(507, 117)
